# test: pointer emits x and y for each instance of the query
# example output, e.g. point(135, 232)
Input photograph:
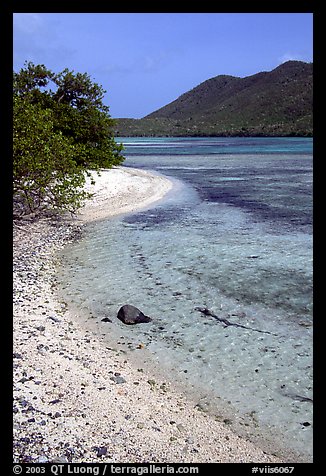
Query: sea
point(223, 266)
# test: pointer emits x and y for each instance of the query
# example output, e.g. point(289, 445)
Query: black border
point(6, 32)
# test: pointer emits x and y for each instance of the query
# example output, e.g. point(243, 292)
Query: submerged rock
point(129, 314)
point(106, 319)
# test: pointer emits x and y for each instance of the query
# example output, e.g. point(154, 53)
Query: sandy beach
point(76, 399)
point(122, 190)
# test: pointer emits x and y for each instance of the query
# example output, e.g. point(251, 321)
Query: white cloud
point(290, 57)
point(36, 39)
point(148, 63)
point(27, 23)
point(151, 63)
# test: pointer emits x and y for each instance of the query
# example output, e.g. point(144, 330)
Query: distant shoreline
point(299, 136)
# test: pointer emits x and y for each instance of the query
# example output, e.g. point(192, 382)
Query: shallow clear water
point(233, 236)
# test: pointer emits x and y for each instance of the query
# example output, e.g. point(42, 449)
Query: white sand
point(122, 190)
point(75, 398)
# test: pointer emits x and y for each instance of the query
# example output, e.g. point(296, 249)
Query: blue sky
point(146, 60)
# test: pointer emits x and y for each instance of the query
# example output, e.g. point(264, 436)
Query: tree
point(45, 174)
point(59, 135)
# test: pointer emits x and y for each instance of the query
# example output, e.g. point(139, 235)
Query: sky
point(146, 60)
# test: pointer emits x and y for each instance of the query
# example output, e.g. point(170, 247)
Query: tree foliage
point(59, 135)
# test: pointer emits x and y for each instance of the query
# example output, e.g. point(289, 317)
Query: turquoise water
point(215, 145)
point(234, 236)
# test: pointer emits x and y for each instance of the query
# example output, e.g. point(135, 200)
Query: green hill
point(274, 103)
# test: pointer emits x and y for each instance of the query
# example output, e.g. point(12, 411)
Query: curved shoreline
point(75, 398)
point(122, 190)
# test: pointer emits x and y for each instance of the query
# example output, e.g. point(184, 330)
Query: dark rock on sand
point(102, 451)
point(129, 314)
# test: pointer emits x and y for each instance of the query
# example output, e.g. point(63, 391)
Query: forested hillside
point(275, 103)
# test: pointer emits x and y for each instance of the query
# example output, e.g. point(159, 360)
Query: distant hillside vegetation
point(275, 103)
